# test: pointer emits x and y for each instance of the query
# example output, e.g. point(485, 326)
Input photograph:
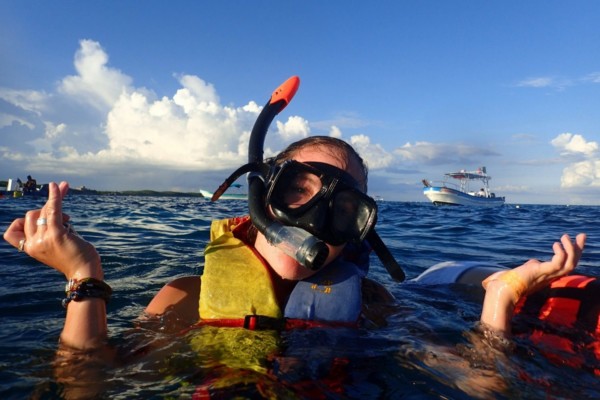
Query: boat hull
point(447, 196)
point(225, 196)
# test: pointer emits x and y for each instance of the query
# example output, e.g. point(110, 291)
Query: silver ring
point(41, 221)
point(21, 245)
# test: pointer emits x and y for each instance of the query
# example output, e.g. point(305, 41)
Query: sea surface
point(426, 350)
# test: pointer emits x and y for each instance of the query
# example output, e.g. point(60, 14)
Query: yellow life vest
point(235, 282)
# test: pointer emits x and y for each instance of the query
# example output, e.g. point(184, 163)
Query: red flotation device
point(567, 328)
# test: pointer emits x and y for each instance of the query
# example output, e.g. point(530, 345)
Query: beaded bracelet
point(79, 289)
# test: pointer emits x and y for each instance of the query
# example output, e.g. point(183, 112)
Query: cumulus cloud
point(295, 128)
point(335, 132)
point(584, 173)
point(374, 154)
point(191, 130)
point(581, 174)
point(569, 143)
point(28, 100)
point(99, 121)
point(95, 84)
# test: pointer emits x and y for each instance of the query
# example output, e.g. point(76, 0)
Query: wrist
point(90, 269)
point(81, 289)
point(506, 287)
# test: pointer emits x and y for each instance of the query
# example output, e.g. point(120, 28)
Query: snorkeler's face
point(286, 266)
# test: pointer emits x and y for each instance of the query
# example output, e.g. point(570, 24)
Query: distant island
point(85, 191)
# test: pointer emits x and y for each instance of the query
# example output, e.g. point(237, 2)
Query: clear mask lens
point(294, 189)
point(325, 205)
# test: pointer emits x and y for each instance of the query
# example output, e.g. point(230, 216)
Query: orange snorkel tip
point(285, 91)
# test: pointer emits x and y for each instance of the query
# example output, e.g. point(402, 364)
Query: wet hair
point(338, 148)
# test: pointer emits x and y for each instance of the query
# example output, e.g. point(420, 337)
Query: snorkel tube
point(293, 241)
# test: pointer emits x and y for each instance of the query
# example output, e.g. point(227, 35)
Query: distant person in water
point(30, 186)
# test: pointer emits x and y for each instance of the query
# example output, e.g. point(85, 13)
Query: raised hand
point(535, 275)
point(505, 288)
point(45, 235)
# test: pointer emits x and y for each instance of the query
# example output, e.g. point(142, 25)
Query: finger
point(15, 232)
point(560, 255)
point(573, 252)
point(580, 241)
point(30, 225)
point(53, 207)
point(64, 189)
point(576, 248)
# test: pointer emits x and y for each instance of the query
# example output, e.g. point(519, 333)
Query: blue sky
point(162, 95)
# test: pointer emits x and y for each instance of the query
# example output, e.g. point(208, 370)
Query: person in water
point(562, 318)
point(43, 235)
point(30, 186)
point(268, 278)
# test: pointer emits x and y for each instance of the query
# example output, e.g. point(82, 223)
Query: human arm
point(177, 303)
point(56, 246)
point(505, 288)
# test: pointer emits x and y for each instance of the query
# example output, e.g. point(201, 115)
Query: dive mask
point(321, 199)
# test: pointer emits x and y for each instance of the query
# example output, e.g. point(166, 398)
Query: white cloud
point(374, 154)
point(189, 131)
point(594, 77)
point(8, 120)
point(440, 153)
point(547, 82)
point(569, 143)
point(335, 132)
point(116, 133)
point(95, 83)
point(294, 129)
point(581, 174)
point(585, 173)
point(538, 82)
point(28, 100)
point(192, 130)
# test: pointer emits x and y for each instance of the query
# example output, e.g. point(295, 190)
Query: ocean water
point(425, 351)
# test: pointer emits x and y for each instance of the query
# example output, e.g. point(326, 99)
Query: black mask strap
point(386, 257)
point(250, 167)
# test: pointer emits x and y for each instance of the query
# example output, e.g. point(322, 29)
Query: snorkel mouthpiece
point(298, 244)
point(295, 242)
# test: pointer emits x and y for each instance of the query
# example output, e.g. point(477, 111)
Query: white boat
point(460, 194)
point(236, 195)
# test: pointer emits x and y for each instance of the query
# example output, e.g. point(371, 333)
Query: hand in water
point(535, 275)
point(45, 235)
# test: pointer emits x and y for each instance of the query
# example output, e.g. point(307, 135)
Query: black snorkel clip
point(305, 248)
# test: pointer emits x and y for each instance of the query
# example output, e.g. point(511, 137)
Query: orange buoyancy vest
point(568, 313)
